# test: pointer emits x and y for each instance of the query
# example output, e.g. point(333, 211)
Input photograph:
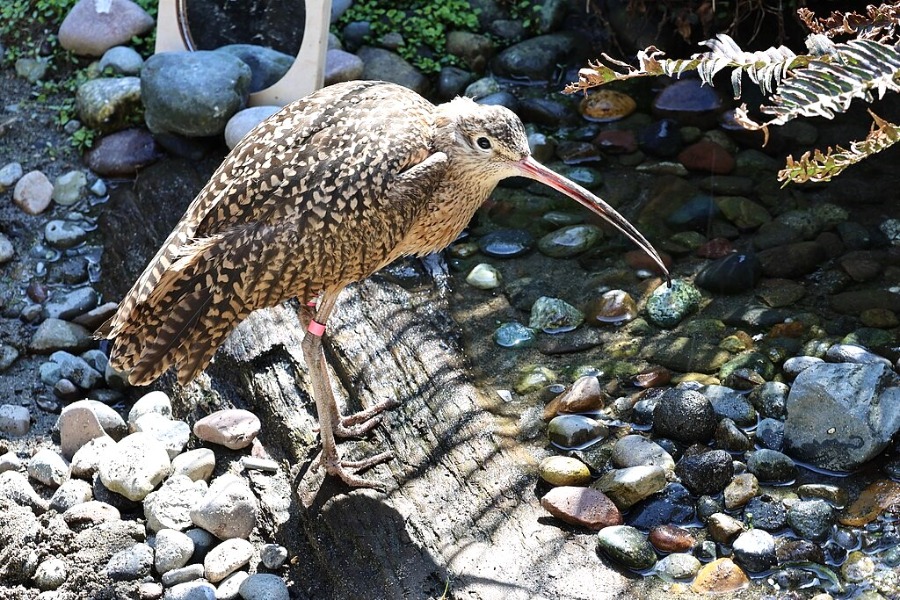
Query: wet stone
point(636, 450)
point(729, 436)
point(721, 576)
point(534, 378)
point(678, 566)
point(514, 335)
point(671, 538)
point(628, 486)
point(484, 277)
point(627, 546)
point(790, 550)
point(552, 315)
point(778, 293)
point(796, 364)
point(706, 473)
point(585, 507)
point(614, 307)
point(771, 466)
point(661, 139)
point(684, 415)
point(770, 399)
point(564, 471)
point(850, 353)
point(689, 102)
point(735, 273)
point(727, 403)
point(667, 306)
point(673, 505)
point(575, 431)
point(811, 519)
point(765, 512)
point(723, 528)
point(569, 241)
point(792, 261)
point(754, 550)
point(836, 496)
point(582, 396)
point(770, 434)
point(707, 157)
point(506, 243)
point(858, 567)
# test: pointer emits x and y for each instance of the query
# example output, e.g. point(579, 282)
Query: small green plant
point(423, 24)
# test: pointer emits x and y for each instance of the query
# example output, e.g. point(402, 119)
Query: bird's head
point(490, 142)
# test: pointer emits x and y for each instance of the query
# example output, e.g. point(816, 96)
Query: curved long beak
point(528, 167)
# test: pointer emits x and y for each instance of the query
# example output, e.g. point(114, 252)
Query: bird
point(324, 193)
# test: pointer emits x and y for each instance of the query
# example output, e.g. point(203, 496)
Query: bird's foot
point(337, 467)
point(362, 422)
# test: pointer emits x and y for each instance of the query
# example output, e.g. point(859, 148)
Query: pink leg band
point(311, 303)
point(316, 328)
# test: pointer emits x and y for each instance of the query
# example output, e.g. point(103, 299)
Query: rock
point(627, 546)
point(173, 434)
point(233, 428)
point(552, 315)
point(69, 494)
point(155, 402)
point(513, 335)
point(86, 459)
point(7, 251)
point(33, 192)
point(721, 576)
point(90, 514)
point(564, 471)
point(678, 566)
point(636, 450)
point(135, 466)
point(193, 93)
point(755, 550)
point(55, 334)
point(50, 574)
point(91, 28)
point(771, 466)
point(707, 157)
point(605, 106)
point(32, 70)
point(661, 139)
point(706, 473)
point(195, 464)
point(741, 489)
point(537, 58)
point(851, 353)
point(550, 113)
point(684, 415)
point(614, 307)
point(384, 65)
point(10, 462)
point(583, 395)
point(14, 420)
point(671, 538)
point(180, 575)
point(811, 519)
point(730, 404)
point(130, 564)
point(858, 567)
point(122, 60)
point(172, 551)
point(14, 486)
point(792, 261)
point(569, 241)
point(244, 121)
point(689, 102)
point(48, 467)
point(273, 556)
point(473, 49)
point(67, 188)
point(343, 66)
point(765, 512)
point(192, 590)
point(575, 431)
point(879, 496)
point(108, 103)
point(628, 486)
point(264, 586)
point(10, 173)
point(506, 243)
point(267, 66)
point(667, 306)
point(64, 234)
point(673, 505)
point(123, 153)
point(228, 509)
point(484, 277)
point(226, 558)
point(837, 417)
point(170, 506)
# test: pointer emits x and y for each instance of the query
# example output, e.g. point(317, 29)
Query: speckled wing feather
point(314, 198)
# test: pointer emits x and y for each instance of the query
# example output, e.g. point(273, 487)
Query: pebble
point(723, 528)
point(179, 575)
point(514, 335)
point(70, 493)
point(879, 496)
point(122, 60)
point(16, 487)
point(570, 241)
point(48, 467)
point(506, 243)
point(170, 506)
point(771, 466)
point(734, 273)
point(123, 153)
point(741, 489)
point(226, 558)
point(575, 431)
point(14, 420)
point(233, 428)
point(89, 514)
point(661, 139)
point(173, 550)
point(50, 574)
point(836, 496)
point(68, 188)
point(56, 334)
point(678, 567)
point(192, 590)
point(627, 546)
point(614, 307)
point(10, 462)
point(671, 538)
point(636, 450)
point(343, 66)
point(7, 251)
point(246, 120)
point(228, 509)
point(273, 556)
point(563, 470)
point(230, 587)
point(172, 433)
point(684, 415)
point(765, 512)
point(130, 564)
point(484, 277)
point(729, 436)
point(667, 306)
point(552, 315)
point(203, 542)
point(584, 395)
point(673, 505)
point(850, 353)
point(792, 261)
point(858, 567)
point(33, 192)
point(770, 399)
point(706, 473)
point(195, 464)
point(721, 576)
point(754, 550)
point(264, 586)
point(626, 487)
point(707, 157)
point(92, 28)
point(86, 459)
point(10, 173)
point(135, 466)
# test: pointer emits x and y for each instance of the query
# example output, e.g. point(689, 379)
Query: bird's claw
point(342, 468)
point(362, 422)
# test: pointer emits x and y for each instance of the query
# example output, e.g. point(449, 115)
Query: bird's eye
point(483, 143)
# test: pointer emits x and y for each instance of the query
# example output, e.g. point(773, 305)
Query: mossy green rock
point(667, 306)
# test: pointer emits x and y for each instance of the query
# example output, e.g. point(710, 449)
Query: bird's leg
point(326, 406)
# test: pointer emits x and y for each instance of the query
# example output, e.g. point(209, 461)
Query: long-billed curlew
point(325, 192)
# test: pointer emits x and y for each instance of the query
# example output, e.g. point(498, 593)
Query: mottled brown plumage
point(325, 192)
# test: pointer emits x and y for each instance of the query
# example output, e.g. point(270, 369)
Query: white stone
point(67, 188)
point(173, 550)
point(14, 420)
point(233, 428)
point(135, 466)
point(7, 251)
point(173, 434)
point(48, 467)
point(230, 588)
point(32, 193)
point(87, 459)
point(226, 558)
point(9, 175)
point(50, 574)
point(228, 509)
point(197, 464)
point(264, 586)
point(170, 506)
point(484, 277)
point(10, 462)
point(70, 493)
point(153, 402)
point(244, 120)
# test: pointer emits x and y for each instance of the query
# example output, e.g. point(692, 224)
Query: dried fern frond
point(880, 23)
point(765, 68)
point(822, 167)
